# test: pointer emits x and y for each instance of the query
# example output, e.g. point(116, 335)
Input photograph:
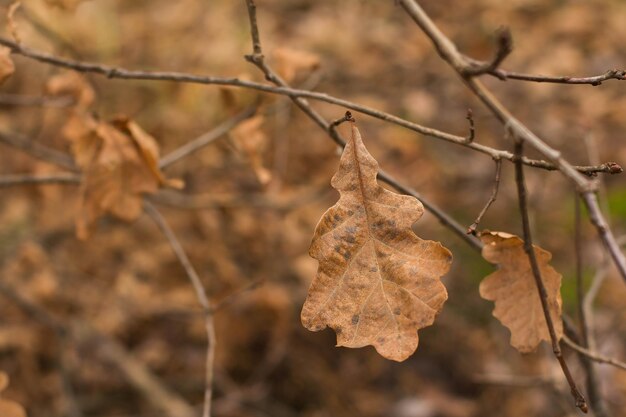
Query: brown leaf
point(148, 149)
point(120, 164)
point(515, 293)
point(251, 140)
point(377, 282)
point(6, 64)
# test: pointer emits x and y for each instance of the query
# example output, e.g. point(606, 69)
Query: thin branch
point(207, 138)
point(586, 187)
point(258, 60)
point(494, 194)
point(594, 355)
point(505, 47)
point(200, 295)
point(122, 73)
point(595, 80)
point(38, 150)
point(27, 179)
point(543, 295)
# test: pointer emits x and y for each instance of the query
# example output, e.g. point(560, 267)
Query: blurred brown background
point(249, 240)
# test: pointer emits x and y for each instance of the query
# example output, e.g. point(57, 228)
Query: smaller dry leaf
point(120, 165)
point(148, 149)
point(377, 282)
point(73, 85)
point(9, 408)
point(6, 64)
point(513, 289)
point(290, 63)
point(251, 140)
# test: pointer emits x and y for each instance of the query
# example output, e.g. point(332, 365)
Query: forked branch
point(585, 186)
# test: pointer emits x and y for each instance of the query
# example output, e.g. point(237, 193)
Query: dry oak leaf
point(377, 282)
point(9, 408)
point(120, 165)
point(6, 64)
point(513, 289)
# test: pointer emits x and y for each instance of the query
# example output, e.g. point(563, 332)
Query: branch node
point(347, 117)
point(614, 168)
point(504, 43)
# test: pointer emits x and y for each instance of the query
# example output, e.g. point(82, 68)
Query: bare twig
point(594, 355)
point(494, 195)
point(543, 295)
point(27, 179)
point(200, 295)
point(38, 150)
point(585, 186)
point(505, 47)
point(207, 138)
point(595, 80)
point(122, 73)
point(258, 60)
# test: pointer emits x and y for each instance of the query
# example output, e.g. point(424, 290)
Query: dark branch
point(543, 295)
